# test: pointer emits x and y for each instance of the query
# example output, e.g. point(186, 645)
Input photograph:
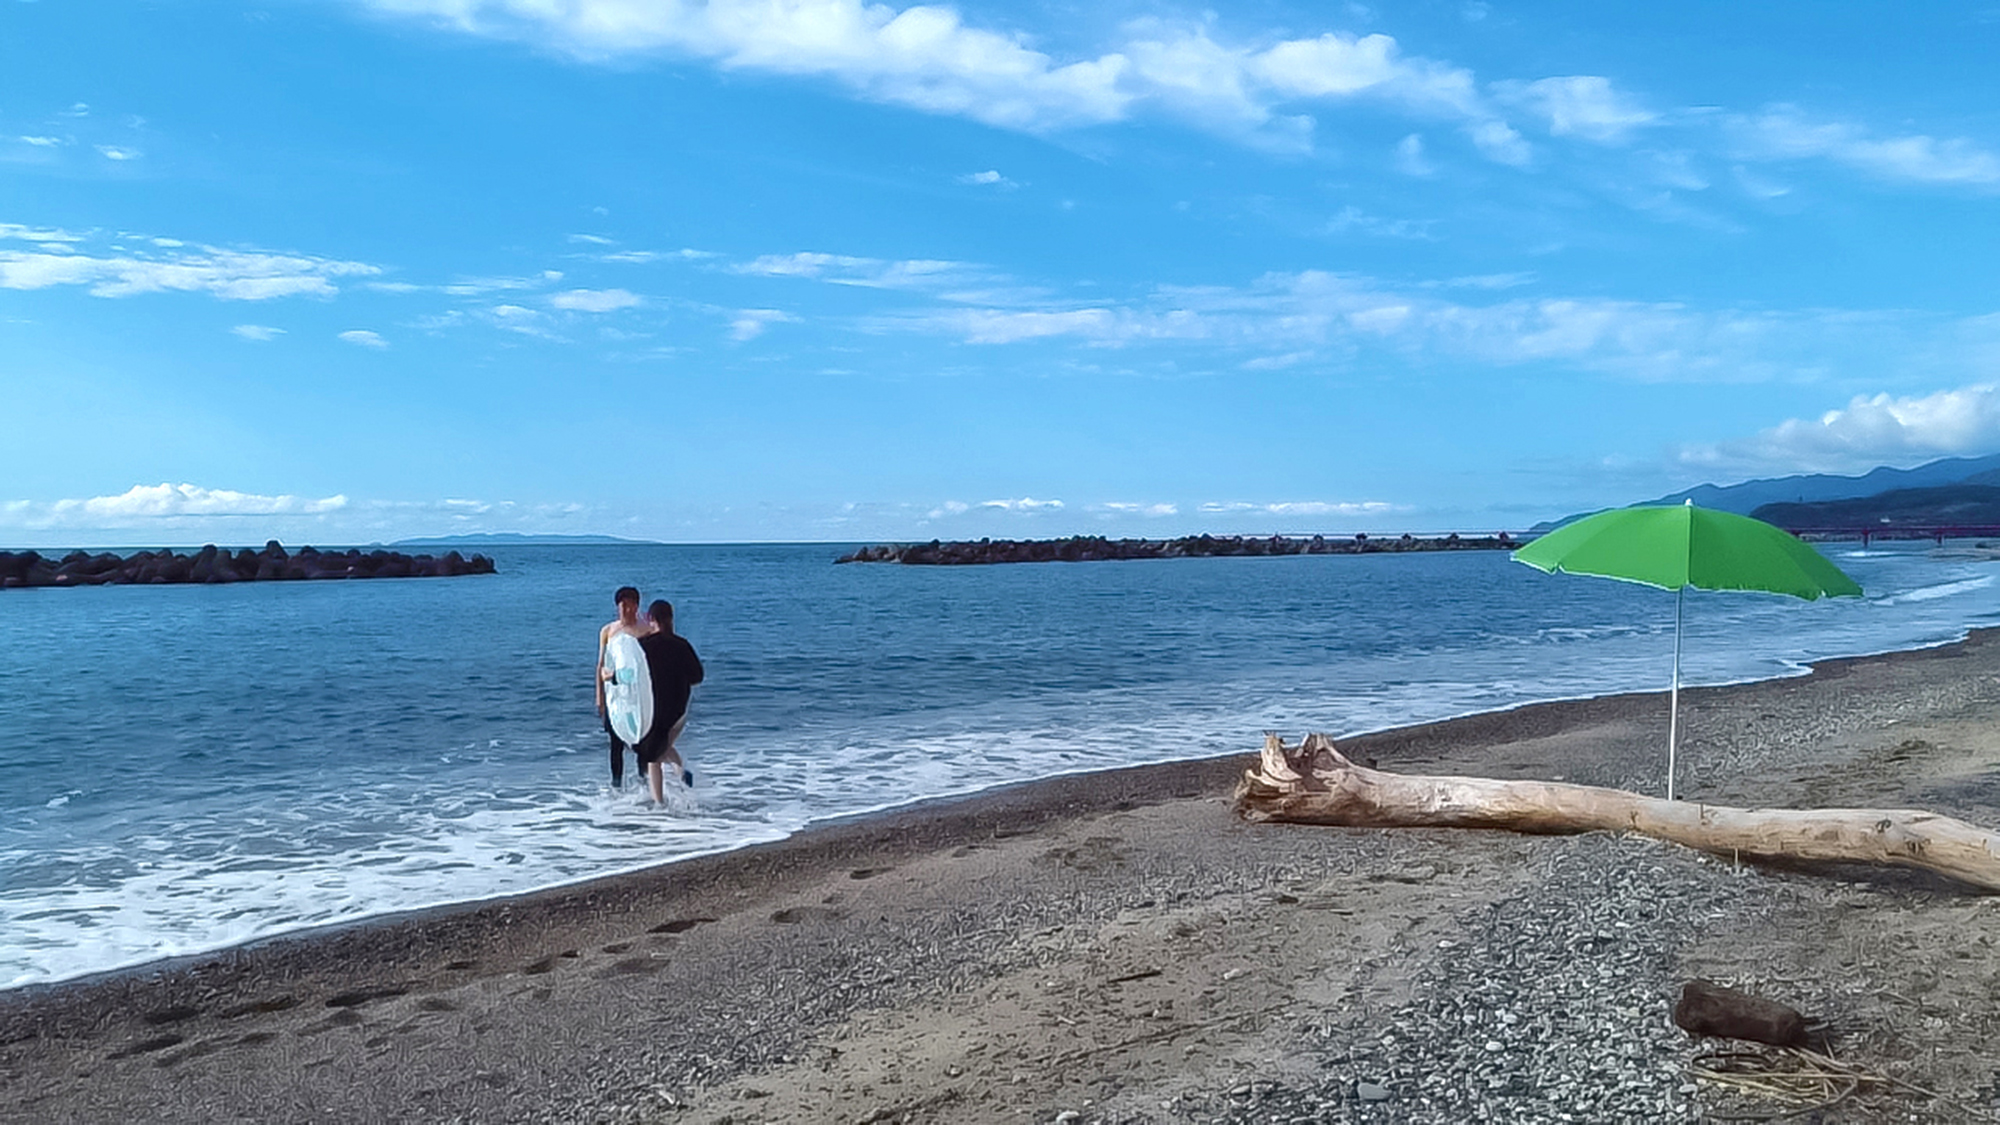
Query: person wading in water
point(627, 621)
point(675, 669)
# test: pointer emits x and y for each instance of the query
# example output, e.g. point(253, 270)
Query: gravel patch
point(1555, 1007)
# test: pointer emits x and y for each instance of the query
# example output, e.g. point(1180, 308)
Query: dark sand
point(1119, 947)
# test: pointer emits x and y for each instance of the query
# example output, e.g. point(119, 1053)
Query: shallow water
point(183, 767)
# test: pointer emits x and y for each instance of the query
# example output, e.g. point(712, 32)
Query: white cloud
point(1340, 65)
point(926, 57)
point(872, 273)
point(1024, 504)
point(1581, 106)
point(1870, 430)
point(1351, 219)
point(364, 338)
point(1490, 281)
point(1128, 508)
point(989, 176)
point(642, 257)
point(1784, 133)
point(923, 57)
point(1500, 142)
point(1410, 157)
point(1277, 362)
point(748, 324)
point(948, 508)
point(1299, 508)
point(518, 318)
point(1284, 319)
point(37, 234)
point(480, 286)
point(232, 275)
point(1759, 187)
point(194, 513)
point(41, 142)
point(593, 240)
point(165, 501)
point(595, 300)
point(258, 332)
point(1096, 325)
point(113, 152)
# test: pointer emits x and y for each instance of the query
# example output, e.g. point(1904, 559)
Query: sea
point(186, 768)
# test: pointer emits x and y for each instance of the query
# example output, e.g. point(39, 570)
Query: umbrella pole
point(1674, 708)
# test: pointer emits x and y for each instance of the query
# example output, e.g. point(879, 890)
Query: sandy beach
point(1118, 947)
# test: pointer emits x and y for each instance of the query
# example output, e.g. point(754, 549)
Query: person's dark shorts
point(653, 747)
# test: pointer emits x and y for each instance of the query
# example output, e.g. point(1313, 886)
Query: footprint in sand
point(194, 1050)
point(793, 915)
point(147, 1046)
point(679, 925)
point(345, 1017)
point(171, 1015)
point(547, 964)
point(260, 1007)
point(631, 966)
point(1095, 853)
point(361, 996)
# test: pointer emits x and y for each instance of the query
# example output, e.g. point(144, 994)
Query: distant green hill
point(1952, 504)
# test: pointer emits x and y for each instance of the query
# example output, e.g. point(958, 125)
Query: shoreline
point(916, 806)
point(1004, 947)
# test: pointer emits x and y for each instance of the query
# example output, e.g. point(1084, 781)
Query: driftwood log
point(1313, 783)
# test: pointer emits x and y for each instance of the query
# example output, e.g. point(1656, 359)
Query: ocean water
point(184, 768)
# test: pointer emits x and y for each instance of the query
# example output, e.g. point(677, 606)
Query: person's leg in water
point(656, 769)
point(617, 756)
point(673, 753)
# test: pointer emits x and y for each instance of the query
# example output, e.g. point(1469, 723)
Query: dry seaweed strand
point(1810, 1081)
point(1788, 1075)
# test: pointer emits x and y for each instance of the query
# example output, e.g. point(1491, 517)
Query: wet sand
point(1119, 947)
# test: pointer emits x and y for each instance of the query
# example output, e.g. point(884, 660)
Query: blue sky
point(752, 269)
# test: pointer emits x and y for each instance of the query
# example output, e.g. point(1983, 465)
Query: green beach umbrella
point(1677, 547)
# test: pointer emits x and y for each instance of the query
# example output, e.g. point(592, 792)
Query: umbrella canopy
point(1688, 546)
point(1677, 547)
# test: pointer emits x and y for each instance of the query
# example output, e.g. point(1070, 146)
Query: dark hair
point(626, 594)
point(662, 613)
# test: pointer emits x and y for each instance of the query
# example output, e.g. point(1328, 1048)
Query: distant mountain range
point(1746, 498)
point(1957, 491)
point(515, 539)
